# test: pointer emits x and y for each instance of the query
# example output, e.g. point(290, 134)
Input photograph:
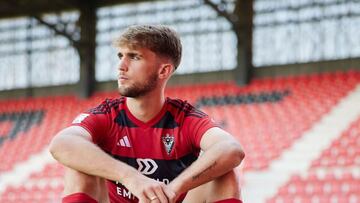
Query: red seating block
point(265, 130)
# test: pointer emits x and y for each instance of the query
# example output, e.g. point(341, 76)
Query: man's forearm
point(74, 149)
point(216, 161)
point(82, 155)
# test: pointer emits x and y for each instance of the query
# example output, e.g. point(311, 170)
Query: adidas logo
point(124, 142)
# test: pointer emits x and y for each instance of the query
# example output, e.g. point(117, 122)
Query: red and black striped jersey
point(161, 148)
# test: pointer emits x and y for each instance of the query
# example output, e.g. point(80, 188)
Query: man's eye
point(135, 57)
point(120, 56)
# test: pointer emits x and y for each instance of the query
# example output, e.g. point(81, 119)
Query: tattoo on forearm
point(205, 171)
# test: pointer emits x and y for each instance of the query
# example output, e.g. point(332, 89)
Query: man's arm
point(221, 153)
point(73, 148)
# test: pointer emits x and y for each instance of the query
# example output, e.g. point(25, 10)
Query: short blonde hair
point(160, 39)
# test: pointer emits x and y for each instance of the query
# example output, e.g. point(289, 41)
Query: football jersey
point(160, 148)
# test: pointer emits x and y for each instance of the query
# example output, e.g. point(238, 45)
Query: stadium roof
point(15, 8)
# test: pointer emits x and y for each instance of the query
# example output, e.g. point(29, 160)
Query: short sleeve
point(95, 121)
point(196, 125)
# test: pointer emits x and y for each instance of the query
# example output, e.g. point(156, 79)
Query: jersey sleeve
point(96, 121)
point(196, 124)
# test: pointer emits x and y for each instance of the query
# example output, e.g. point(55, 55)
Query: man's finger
point(170, 194)
point(160, 194)
point(143, 199)
point(151, 196)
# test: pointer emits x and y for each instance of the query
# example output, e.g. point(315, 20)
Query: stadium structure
point(283, 76)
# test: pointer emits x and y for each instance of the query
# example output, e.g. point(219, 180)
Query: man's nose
point(123, 65)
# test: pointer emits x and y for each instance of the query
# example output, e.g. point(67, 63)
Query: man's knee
point(223, 187)
point(78, 182)
point(226, 185)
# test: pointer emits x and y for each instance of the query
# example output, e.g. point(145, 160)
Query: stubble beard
point(137, 89)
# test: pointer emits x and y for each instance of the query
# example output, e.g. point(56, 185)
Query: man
point(144, 145)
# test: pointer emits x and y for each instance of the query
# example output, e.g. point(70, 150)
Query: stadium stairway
point(261, 185)
point(333, 177)
point(23, 170)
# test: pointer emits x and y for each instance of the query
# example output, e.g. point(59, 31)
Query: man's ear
point(166, 70)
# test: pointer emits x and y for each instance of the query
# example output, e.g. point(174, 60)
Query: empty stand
point(27, 126)
point(44, 186)
point(266, 116)
point(333, 177)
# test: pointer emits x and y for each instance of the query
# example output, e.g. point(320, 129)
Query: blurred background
point(283, 76)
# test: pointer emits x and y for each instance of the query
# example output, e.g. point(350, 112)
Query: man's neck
point(147, 107)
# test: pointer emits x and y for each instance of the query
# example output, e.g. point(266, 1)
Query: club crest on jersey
point(168, 141)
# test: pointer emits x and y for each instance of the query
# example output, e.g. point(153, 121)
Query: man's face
point(138, 71)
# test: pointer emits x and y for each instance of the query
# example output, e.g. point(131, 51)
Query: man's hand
point(148, 190)
point(174, 189)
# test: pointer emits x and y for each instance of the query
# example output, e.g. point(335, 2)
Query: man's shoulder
point(184, 107)
point(107, 105)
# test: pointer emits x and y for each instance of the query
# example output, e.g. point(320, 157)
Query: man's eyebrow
point(134, 54)
point(130, 54)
